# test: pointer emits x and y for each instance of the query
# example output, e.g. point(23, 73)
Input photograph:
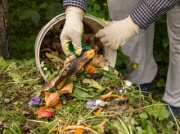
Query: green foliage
point(158, 111)
point(160, 83)
point(122, 61)
point(18, 80)
point(161, 41)
point(161, 51)
point(98, 8)
point(26, 19)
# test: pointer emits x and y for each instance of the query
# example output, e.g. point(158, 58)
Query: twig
point(37, 121)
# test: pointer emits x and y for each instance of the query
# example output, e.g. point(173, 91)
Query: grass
point(19, 80)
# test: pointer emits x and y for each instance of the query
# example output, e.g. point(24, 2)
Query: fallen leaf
point(53, 58)
point(92, 83)
point(53, 99)
point(67, 89)
point(58, 105)
point(47, 94)
point(45, 112)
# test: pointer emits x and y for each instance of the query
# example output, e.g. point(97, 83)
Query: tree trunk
point(4, 29)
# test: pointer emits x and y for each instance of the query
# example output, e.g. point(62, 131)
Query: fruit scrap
point(81, 127)
point(112, 96)
point(76, 65)
point(52, 99)
point(91, 69)
point(67, 89)
point(98, 112)
point(45, 112)
point(79, 131)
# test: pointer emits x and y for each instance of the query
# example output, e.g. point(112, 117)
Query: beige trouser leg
point(139, 48)
point(172, 91)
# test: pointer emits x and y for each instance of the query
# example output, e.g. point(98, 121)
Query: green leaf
point(160, 83)
point(151, 129)
point(30, 13)
point(143, 115)
point(101, 15)
point(92, 83)
point(90, 2)
point(44, 5)
point(81, 95)
point(3, 64)
point(89, 10)
point(53, 10)
point(12, 66)
point(109, 74)
point(158, 111)
point(16, 76)
point(94, 13)
point(35, 17)
point(144, 123)
point(5, 131)
point(165, 42)
point(25, 14)
point(97, 7)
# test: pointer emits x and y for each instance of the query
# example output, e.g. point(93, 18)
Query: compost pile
point(96, 99)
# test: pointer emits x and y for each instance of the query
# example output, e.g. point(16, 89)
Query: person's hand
point(117, 32)
point(72, 30)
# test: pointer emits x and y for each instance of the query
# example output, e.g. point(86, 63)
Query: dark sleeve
point(77, 3)
point(149, 10)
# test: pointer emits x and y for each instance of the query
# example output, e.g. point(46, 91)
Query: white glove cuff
point(135, 28)
point(74, 12)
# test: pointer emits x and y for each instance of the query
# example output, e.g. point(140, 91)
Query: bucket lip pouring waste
point(111, 58)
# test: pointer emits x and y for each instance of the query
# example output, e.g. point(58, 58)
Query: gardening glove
point(118, 32)
point(72, 30)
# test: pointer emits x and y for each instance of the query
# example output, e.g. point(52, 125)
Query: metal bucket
point(94, 23)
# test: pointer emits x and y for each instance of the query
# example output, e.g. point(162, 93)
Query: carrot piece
point(79, 131)
point(98, 111)
point(90, 68)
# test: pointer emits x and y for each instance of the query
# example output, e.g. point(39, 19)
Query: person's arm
point(76, 3)
point(73, 27)
point(149, 10)
point(118, 32)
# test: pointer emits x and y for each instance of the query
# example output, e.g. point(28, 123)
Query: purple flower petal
point(92, 104)
point(35, 100)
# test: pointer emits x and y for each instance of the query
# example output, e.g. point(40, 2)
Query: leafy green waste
point(136, 114)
